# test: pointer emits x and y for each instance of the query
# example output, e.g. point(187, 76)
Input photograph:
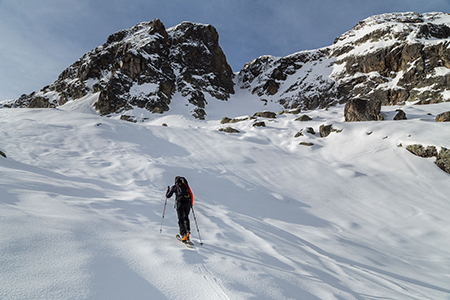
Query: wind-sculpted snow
point(355, 216)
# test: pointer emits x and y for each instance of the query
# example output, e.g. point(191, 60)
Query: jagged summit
point(391, 58)
point(144, 66)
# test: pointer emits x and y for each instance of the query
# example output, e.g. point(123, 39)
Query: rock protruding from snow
point(421, 151)
point(442, 156)
point(443, 117)
point(400, 115)
point(362, 110)
point(143, 67)
point(443, 160)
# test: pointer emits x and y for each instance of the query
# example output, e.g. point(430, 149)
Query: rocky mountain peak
point(144, 66)
point(392, 58)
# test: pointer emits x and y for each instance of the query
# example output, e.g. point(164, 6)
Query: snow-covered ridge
point(178, 29)
point(387, 29)
point(387, 58)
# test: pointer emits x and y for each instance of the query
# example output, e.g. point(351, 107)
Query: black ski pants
point(183, 209)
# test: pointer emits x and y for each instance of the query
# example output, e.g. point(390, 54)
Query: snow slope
point(352, 217)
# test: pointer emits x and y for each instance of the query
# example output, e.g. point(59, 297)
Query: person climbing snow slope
point(184, 199)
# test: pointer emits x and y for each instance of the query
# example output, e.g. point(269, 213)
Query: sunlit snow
point(355, 216)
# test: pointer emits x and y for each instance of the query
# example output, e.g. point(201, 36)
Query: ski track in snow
point(353, 217)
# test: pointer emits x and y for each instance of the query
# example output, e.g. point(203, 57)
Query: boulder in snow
point(443, 160)
point(421, 151)
point(303, 118)
point(325, 130)
point(400, 115)
point(362, 110)
point(443, 117)
point(266, 114)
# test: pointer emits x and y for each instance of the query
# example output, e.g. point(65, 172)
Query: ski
point(188, 244)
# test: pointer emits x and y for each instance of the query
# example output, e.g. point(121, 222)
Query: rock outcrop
point(357, 110)
point(421, 151)
point(443, 160)
point(442, 156)
point(143, 67)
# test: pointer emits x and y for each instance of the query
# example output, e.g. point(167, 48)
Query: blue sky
point(39, 39)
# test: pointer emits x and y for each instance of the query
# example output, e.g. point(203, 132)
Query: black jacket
point(174, 189)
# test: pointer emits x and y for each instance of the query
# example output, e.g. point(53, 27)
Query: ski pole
point(195, 219)
point(164, 211)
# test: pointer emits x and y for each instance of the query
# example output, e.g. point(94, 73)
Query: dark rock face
point(143, 67)
point(202, 68)
point(357, 110)
point(413, 65)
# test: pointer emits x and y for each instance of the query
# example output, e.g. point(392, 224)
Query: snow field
point(352, 217)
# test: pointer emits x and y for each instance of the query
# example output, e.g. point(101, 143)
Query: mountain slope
point(352, 217)
point(392, 58)
point(144, 66)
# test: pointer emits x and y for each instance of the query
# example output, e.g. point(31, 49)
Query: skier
point(183, 203)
